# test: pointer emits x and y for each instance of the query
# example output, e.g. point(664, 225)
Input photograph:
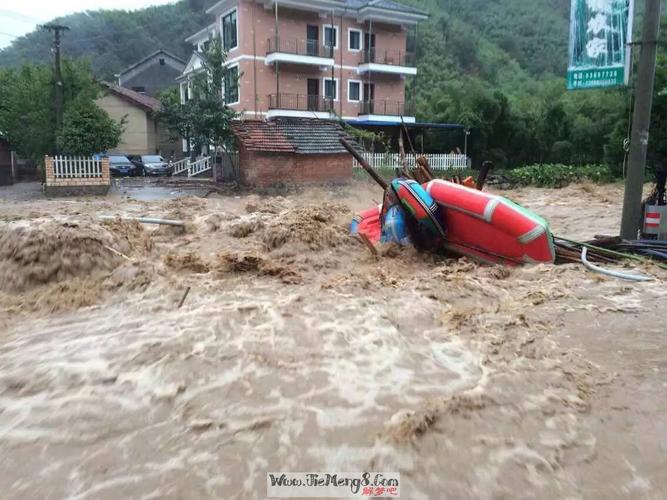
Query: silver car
point(155, 165)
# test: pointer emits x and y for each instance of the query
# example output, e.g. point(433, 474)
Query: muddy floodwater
point(295, 349)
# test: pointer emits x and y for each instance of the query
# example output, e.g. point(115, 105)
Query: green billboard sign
point(600, 31)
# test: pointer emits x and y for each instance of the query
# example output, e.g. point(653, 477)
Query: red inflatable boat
point(491, 228)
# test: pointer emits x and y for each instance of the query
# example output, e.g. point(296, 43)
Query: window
point(141, 90)
point(354, 90)
point(232, 85)
point(331, 36)
point(331, 89)
point(229, 31)
point(354, 40)
point(161, 61)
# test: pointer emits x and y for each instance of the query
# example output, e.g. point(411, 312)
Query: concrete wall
point(263, 169)
point(137, 138)
point(142, 134)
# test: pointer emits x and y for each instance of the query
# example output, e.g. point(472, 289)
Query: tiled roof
point(262, 136)
point(291, 135)
point(143, 101)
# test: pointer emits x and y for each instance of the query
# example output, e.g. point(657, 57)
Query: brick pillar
point(106, 177)
point(50, 171)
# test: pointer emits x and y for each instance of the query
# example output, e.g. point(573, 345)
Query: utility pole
point(641, 122)
point(57, 29)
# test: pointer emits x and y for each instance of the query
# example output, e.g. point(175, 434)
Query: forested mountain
point(498, 66)
point(114, 39)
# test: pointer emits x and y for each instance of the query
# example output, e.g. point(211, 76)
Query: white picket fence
point(192, 167)
point(393, 160)
point(77, 167)
point(180, 166)
point(199, 166)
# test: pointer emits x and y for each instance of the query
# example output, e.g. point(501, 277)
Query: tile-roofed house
point(297, 135)
point(291, 150)
point(142, 132)
point(152, 74)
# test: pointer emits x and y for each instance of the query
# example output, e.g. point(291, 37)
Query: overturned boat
point(477, 224)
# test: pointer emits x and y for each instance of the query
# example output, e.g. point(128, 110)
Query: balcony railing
point(312, 48)
point(389, 108)
point(300, 102)
point(389, 57)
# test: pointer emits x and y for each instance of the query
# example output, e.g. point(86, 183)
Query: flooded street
point(295, 349)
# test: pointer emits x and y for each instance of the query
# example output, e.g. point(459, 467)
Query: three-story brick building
point(315, 58)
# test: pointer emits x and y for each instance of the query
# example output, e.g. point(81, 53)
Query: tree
point(175, 116)
point(27, 117)
point(205, 117)
point(88, 129)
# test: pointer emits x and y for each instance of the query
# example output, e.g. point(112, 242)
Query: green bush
point(557, 175)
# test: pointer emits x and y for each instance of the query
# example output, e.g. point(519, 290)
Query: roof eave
point(390, 15)
point(200, 34)
point(148, 58)
point(145, 107)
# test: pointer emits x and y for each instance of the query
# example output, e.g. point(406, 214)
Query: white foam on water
point(292, 376)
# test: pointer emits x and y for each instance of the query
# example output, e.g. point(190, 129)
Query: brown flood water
point(296, 350)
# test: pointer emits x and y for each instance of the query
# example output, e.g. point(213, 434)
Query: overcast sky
point(22, 16)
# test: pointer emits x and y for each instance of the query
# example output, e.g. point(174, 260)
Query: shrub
point(558, 175)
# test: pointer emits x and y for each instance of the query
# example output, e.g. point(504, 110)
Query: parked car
point(152, 164)
point(121, 166)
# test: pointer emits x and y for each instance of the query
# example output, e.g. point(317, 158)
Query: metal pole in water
point(641, 122)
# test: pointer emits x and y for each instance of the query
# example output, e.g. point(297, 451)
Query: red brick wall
point(265, 169)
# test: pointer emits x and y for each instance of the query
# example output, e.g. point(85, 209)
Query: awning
point(422, 125)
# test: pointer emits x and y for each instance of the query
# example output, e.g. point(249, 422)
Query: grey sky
point(22, 16)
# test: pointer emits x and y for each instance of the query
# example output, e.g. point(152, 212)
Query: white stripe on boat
point(532, 235)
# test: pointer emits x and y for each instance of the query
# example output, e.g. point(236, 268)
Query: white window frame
point(222, 29)
point(324, 34)
point(238, 86)
point(324, 87)
point(349, 39)
point(361, 91)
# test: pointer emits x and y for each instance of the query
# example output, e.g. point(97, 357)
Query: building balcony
point(393, 62)
point(295, 51)
point(300, 105)
point(384, 110)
